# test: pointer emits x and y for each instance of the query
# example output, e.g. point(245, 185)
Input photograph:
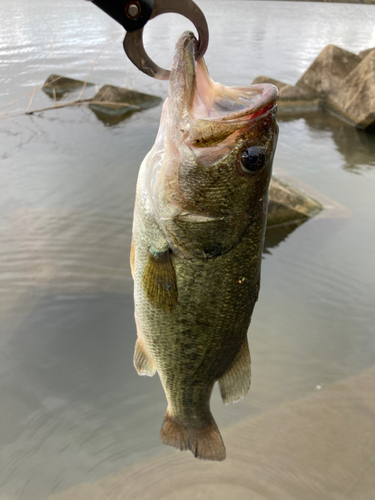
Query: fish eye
point(253, 159)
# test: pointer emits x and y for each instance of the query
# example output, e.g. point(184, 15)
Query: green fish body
point(198, 231)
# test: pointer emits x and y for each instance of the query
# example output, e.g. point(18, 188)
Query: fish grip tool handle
point(131, 14)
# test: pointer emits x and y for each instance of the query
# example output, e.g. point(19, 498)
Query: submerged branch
point(57, 106)
point(73, 103)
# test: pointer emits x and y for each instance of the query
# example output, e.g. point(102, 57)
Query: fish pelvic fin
point(205, 443)
point(159, 281)
point(142, 363)
point(235, 382)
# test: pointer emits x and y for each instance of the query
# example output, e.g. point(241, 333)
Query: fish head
point(212, 159)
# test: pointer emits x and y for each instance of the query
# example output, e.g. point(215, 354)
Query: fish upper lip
point(268, 96)
point(267, 100)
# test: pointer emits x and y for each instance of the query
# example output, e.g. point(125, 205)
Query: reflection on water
point(73, 409)
point(356, 146)
point(109, 120)
point(275, 235)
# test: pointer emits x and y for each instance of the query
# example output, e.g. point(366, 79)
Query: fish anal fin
point(205, 443)
point(159, 280)
point(142, 363)
point(235, 382)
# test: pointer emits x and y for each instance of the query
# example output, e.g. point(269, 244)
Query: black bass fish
point(198, 231)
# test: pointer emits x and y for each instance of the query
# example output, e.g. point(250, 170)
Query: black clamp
point(133, 16)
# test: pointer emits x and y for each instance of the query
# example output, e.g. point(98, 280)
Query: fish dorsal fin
point(159, 280)
point(235, 382)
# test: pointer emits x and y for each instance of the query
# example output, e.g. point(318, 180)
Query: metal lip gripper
point(133, 16)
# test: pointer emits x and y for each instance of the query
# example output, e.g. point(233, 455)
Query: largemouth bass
point(198, 231)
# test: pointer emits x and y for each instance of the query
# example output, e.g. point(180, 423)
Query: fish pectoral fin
point(235, 382)
point(142, 363)
point(159, 280)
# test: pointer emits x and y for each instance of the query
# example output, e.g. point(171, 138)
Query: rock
point(57, 85)
point(328, 70)
point(288, 204)
point(276, 234)
point(366, 52)
point(118, 102)
point(354, 99)
point(292, 93)
point(338, 80)
point(292, 99)
point(267, 79)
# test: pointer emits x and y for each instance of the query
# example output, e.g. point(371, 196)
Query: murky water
point(73, 409)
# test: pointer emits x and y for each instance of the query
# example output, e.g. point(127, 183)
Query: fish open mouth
point(207, 112)
point(207, 100)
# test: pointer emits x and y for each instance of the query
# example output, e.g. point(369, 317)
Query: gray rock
point(339, 80)
point(288, 204)
point(292, 99)
point(328, 70)
point(116, 101)
point(267, 79)
point(366, 52)
point(57, 85)
point(354, 99)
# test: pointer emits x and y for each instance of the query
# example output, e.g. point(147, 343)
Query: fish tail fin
point(174, 434)
point(205, 443)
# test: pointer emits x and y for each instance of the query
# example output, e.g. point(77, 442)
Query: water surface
point(73, 409)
